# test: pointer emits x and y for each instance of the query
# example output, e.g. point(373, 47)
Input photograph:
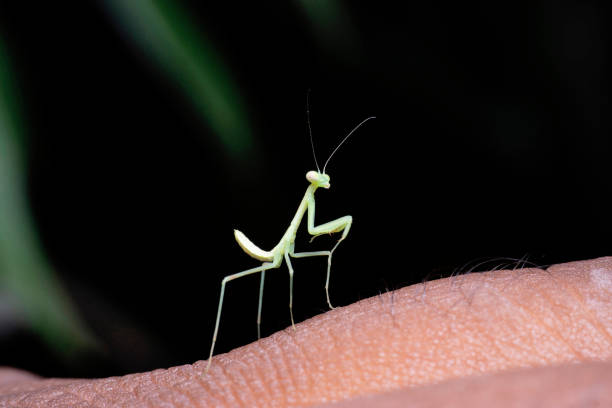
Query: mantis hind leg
point(261, 288)
point(262, 268)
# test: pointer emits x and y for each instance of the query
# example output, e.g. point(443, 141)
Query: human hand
point(496, 339)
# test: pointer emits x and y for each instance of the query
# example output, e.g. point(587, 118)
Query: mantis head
point(318, 179)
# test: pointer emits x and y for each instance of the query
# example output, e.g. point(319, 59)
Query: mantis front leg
point(341, 224)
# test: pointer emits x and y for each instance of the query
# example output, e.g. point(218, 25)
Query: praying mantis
point(285, 249)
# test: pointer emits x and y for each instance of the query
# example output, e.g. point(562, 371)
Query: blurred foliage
point(165, 33)
point(331, 26)
point(28, 288)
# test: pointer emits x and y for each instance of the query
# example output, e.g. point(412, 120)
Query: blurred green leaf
point(165, 33)
point(25, 275)
point(332, 27)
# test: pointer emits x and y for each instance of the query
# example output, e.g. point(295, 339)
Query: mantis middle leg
point(290, 288)
point(317, 253)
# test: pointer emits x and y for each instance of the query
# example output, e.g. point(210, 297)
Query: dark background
point(491, 140)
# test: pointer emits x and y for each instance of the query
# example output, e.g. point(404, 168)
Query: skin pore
point(492, 339)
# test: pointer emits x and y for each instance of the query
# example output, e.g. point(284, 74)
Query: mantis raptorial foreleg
point(341, 224)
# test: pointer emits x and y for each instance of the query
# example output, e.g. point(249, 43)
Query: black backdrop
point(491, 140)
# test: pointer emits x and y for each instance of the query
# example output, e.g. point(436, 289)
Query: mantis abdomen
point(252, 249)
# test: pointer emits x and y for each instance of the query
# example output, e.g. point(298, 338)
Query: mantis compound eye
point(311, 176)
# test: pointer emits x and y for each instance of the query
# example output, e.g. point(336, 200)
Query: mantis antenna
point(310, 130)
point(343, 140)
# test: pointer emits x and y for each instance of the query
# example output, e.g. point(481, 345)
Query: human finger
point(476, 324)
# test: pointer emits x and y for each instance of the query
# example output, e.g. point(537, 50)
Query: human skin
point(500, 338)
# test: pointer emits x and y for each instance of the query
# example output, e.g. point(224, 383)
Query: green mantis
point(285, 249)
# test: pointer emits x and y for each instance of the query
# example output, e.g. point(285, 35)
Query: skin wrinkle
point(281, 363)
point(201, 382)
point(300, 370)
point(515, 348)
point(557, 315)
point(357, 365)
point(263, 387)
point(177, 383)
point(186, 392)
point(428, 357)
point(442, 337)
point(525, 350)
point(271, 353)
point(304, 364)
point(485, 340)
point(350, 364)
point(489, 337)
point(353, 364)
point(325, 348)
point(233, 391)
point(222, 385)
point(76, 399)
point(213, 399)
point(330, 342)
point(453, 306)
point(140, 391)
point(516, 274)
point(552, 302)
point(128, 387)
point(190, 393)
point(573, 291)
point(593, 319)
point(596, 321)
point(567, 288)
point(357, 320)
point(534, 316)
point(158, 386)
point(290, 380)
point(585, 314)
point(267, 388)
point(589, 313)
point(83, 396)
point(239, 371)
